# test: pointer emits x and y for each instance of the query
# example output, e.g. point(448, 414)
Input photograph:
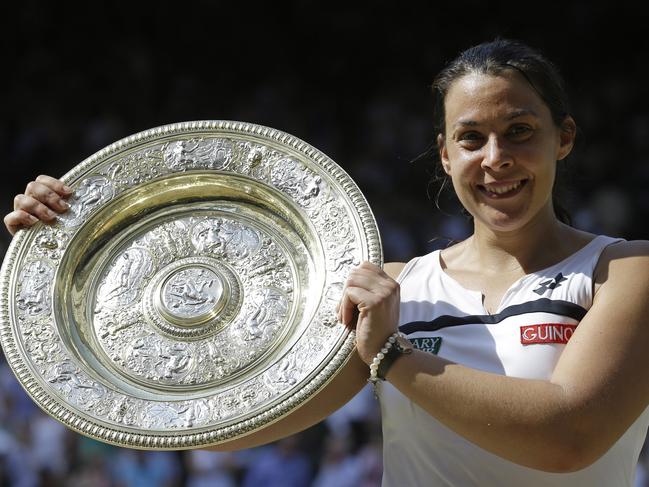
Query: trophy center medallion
point(191, 294)
point(192, 298)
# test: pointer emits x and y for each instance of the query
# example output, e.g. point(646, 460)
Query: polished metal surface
point(188, 296)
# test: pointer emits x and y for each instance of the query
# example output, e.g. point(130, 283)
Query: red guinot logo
point(547, 333)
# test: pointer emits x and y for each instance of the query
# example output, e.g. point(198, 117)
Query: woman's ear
point(567, 134)
point(443, 154)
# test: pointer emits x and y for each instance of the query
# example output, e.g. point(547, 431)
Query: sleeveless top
point(524, 338)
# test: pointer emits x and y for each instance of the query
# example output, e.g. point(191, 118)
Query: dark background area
point(353, 80)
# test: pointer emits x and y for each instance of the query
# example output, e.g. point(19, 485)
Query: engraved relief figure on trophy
point(90, 193)
point(255, 163)
point(311, 185)
point(254, 322)
point(267, 260)
point(161, 416)
point(219, 153)
point(34, 296)
point(271, 306)
point(194, 413)
point(248, 395)
point(192, 291)
point(175, 361)
point(121, 411)
point(242, 240)
point(156, 359)
point(207, 238)
point(225, 238)
point(124, 280)
point(178, 155)
point(297, 181)
point(40, 342)
point(115, 321)
point(168, 241)
point(198, 153)
point(66, 376)
point(50, 243)
point(284, 374)
point(214, 355)
point(343, 254)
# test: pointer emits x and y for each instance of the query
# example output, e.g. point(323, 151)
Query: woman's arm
point(345, 385)
point(599, 387)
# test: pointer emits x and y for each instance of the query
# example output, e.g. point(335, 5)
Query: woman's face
point(500, 149)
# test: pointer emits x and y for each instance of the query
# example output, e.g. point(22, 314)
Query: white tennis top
point(524, 338)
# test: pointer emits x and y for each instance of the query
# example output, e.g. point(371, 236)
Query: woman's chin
point(501, 221)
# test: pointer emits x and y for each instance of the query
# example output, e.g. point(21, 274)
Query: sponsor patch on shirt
point(547, 333)
point(427, 344)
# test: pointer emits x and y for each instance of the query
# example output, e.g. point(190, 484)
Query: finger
point(342, 309)
point(355, 299)
point(55, 184)
point(370, 269)
point(371, 282)
point(367, 276)
point(18, 219)
point(367, 265)
point(34, 207)
point(47, 196)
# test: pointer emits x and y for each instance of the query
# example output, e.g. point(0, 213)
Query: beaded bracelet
point(376, 361)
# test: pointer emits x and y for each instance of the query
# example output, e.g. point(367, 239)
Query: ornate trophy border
point(80, 422)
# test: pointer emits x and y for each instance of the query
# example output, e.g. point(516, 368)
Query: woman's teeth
point(502, 189)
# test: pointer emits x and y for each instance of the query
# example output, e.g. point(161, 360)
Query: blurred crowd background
point(353, 81)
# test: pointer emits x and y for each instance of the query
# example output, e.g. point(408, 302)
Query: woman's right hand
point(43, 199)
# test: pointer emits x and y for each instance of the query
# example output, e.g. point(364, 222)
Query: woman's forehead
point(506, 95)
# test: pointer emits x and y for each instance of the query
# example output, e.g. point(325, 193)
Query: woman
point(502, 387)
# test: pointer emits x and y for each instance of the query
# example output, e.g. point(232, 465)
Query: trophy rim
point(81, 422)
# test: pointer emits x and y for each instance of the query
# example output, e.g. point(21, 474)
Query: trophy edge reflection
point(136, 437)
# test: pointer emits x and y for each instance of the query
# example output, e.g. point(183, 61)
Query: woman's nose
point(496, 156)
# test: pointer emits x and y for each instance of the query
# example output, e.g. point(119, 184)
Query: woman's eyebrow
point(466, 123)
point(521, 113)
point(511, 116)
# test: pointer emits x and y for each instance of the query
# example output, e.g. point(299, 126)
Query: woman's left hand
point(376, 297)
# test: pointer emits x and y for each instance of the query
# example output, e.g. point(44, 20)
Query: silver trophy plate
point(188, 296)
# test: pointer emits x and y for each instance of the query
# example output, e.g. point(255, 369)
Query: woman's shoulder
point(624, 259)
point(625, 249)
point(393, 269)
point(396, 269)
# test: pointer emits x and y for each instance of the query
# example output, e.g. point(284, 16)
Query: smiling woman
point(514, 391)
point(506, 59)
point(506, 359)
point(501, 148)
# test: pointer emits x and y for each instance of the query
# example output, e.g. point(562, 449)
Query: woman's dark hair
point(494, 58)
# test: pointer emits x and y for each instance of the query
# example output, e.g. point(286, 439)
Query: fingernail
point(32, 219)
point(67, 189)
point(50, 213)
point(64, 204)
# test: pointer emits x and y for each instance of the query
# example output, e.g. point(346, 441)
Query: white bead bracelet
point(376, 361)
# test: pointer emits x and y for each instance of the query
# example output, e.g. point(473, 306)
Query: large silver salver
point(188, 296)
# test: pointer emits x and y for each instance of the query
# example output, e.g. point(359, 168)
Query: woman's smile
point(502, 189)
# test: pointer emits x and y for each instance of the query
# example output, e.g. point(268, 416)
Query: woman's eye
point(520, 130)
point(470, 137)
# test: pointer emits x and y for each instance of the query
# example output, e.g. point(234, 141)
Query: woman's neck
point(539, 244)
